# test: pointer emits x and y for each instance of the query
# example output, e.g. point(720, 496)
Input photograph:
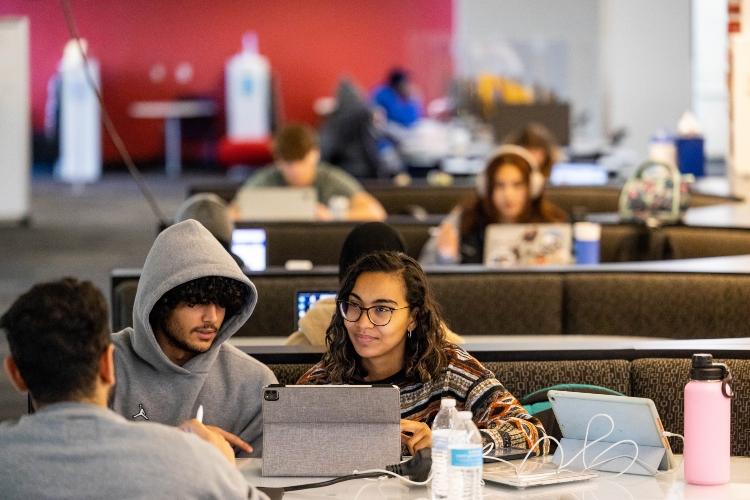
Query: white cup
point(339, 207)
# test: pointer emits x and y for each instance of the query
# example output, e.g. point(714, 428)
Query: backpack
point(655, 195)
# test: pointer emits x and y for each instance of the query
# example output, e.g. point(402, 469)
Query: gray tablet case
point(330, 430)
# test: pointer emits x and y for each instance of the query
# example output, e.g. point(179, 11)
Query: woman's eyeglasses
point(378, 315)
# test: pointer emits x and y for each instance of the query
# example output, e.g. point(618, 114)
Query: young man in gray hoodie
point(191, 298)
point(73, 446)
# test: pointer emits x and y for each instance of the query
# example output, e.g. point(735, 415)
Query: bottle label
point(466, 457)
point(440, 440)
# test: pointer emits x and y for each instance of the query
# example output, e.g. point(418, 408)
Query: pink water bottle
point(707, 418)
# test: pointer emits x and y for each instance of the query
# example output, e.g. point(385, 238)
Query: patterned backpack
point(655, 195)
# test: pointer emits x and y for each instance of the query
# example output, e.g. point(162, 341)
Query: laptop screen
point(249, 244)
point(276, 203)
point(306, 298)
point(509, 245)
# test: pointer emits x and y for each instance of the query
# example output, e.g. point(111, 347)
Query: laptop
point(533, 473)
point(249, 244)
point(276, 203)
point(512, 245)
point(330, 430)
point(304, 299)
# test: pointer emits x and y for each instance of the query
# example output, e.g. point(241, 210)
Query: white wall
point(710, 93)
point(571, 23)
point(15, 115)
point(646, 56)
point(628, 61)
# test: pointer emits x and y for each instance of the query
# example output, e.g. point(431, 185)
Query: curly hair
point(57, 332)
point(424, 358)
point(224, 292)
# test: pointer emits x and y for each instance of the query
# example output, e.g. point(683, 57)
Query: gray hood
point(181, 253)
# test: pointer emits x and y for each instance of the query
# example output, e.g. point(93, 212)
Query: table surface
point(668, 484)
point(532, 342)
point(734, 215)
point(172, 109)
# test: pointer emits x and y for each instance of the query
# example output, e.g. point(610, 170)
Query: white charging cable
point(393, 474)
point(518, 468)
point(586, 444)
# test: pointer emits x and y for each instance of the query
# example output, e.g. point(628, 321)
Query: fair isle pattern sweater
point(497, 413)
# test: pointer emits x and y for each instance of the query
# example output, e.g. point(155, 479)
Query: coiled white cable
point(518, 468)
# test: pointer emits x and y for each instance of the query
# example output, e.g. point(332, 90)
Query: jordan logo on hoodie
point(141, 412)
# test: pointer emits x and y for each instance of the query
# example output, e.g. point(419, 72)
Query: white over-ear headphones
point(536, 177)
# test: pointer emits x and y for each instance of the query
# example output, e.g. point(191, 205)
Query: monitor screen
point(249, 244)
point(306, 298)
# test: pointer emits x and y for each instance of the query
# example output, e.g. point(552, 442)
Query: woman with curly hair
point(387, 330)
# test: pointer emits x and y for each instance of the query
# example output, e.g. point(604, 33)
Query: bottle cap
point(250, 42)
point(447, 403)
point(704, 368)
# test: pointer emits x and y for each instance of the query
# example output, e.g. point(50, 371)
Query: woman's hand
point(448, 241)
point(416, 435)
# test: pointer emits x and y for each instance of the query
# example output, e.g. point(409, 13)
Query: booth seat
point(480, 301)
point(619, 242)
point(441, 199)
point(661, 379)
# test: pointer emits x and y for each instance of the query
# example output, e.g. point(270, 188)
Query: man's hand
point(416, 435)
point(212, 437)
point(233, 439)
point(322, 212)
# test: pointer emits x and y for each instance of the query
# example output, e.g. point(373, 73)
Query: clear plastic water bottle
point(443, 428)
point(708, 398)
point(466, 462)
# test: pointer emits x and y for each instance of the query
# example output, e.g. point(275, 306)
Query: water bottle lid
point(704, 368)
point(447, 403)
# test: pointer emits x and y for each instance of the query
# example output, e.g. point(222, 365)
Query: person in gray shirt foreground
point(74, 446)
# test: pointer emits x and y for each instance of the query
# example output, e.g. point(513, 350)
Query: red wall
point(310, 43)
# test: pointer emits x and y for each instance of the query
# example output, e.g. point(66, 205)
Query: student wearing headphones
point(510, 190)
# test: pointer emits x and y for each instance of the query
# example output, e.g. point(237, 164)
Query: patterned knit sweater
point(499, 416)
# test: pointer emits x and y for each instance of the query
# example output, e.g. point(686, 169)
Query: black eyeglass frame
point(367, 310)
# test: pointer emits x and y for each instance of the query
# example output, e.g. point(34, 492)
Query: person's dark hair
point(536, 136)
point(367, 238)
point(480, 210)
point(396, 77)
point(57, 332)
point(225, 292)
point(425, 357)
point(293, 142)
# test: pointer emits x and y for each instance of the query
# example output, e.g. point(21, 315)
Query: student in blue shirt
point(397, 99)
